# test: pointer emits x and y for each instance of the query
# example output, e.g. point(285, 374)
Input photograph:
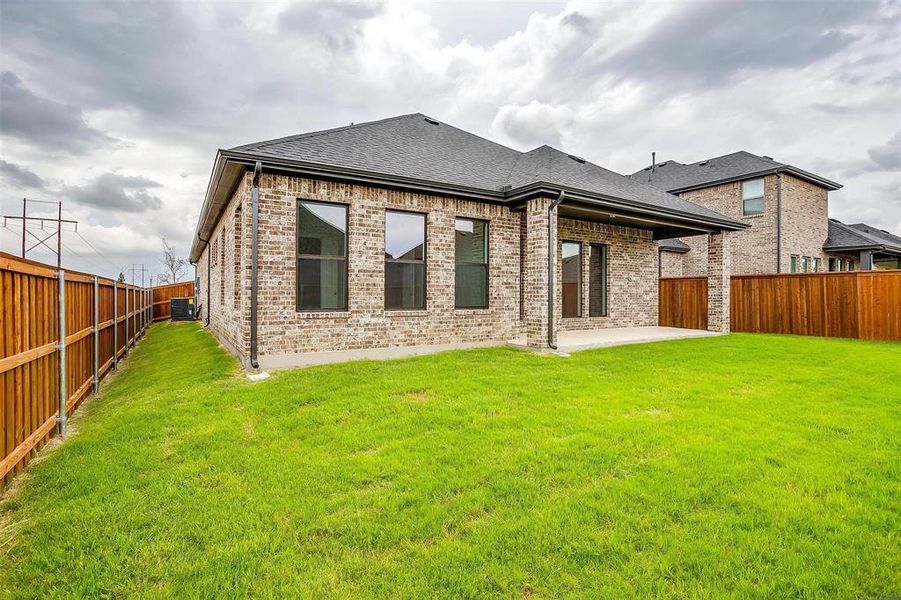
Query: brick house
point(786, 209)
point(861, 244)
point(409, 234)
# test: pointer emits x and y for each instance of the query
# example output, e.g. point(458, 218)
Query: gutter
point(551, 264)
point(799, 173)
point(632, 206)
point(365, 177)
point(254, 260)
point(502, 197)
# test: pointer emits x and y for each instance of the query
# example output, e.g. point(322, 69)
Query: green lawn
point(763, 466)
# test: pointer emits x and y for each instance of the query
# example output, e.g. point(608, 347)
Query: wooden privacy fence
point(682, 302)
point(855, 304)
point(56, 348)
point(162, 295)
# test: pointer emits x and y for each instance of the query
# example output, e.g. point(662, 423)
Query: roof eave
point(539, 187)
point(859, 247)
point(244, 160)
point(790, 170)
point(366, 177)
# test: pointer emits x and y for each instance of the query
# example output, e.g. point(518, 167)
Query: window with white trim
point(752, 197)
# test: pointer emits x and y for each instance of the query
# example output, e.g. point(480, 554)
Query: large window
point(794, 263)
point(572, 279)
point(597, 280)
point(471, 263)
point(321, 256)
point(752, 197)
point(816, 265)
point(404, 260)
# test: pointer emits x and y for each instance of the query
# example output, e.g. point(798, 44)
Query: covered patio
point(576, 340)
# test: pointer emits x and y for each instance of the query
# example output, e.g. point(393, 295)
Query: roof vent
point(506, 187)
point(578, 159)
point(663, 164)
point(767, 157)
point(430, 120)
point(703, 163)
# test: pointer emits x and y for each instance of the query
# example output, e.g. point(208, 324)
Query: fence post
point(115, 324)
point(62, 352)
point(126, 322)
point(96, 334)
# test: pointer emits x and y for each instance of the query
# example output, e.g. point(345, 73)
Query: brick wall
point(517, 273)
point(229, 318)
point(805, 221)
point(671, 264)
point(804, 227)
point(366, 323)
point(754, 249)
point(631, 275)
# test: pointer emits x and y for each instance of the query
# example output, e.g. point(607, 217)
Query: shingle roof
point(860, 236)
point(417, 147)
point(674, 176)
point(673, 245)
point(404, 146)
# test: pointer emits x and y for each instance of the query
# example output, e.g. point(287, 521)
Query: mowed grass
point(746, 466)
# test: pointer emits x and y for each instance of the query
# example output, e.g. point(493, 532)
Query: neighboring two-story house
point(786, 208)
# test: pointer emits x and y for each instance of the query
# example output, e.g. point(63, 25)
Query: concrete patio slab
point(573, 341)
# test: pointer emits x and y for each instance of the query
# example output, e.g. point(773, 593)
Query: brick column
point(719, 270)
point(534, 273)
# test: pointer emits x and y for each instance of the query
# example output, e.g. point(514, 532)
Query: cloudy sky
point(118, 109)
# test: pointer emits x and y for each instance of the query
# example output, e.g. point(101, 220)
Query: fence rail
point(162, 294)
point(56, 348)
point(851, 304)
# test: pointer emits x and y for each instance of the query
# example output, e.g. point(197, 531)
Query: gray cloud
point(887, 157)
point(112, 191)
point(337, 23)
point(708, 44)
point(42, 122)
point(19, 176)
point(534, 124)
point(176, 80)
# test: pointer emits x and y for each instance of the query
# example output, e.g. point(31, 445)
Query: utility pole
point(58, 232)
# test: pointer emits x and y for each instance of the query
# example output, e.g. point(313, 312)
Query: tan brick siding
point(805, 220)
point(671, 264)
point(517, 273)
point(804, 227)
point(366, 323)
point(229, 320)
point(754, 249)
point(631, 280)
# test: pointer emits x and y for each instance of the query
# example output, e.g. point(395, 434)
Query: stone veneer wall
point(631, 275)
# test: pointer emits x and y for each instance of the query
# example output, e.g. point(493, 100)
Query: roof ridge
point(311, 134)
